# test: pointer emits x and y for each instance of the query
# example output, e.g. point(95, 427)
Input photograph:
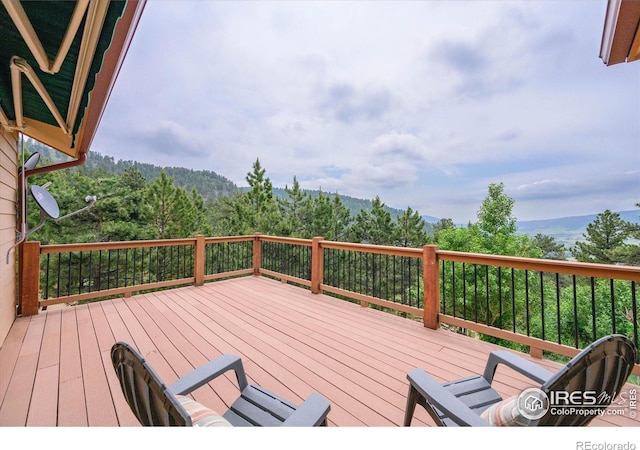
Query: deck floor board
point(56, 367)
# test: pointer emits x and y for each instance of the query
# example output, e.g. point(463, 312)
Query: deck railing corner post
point(317, 267)
point(198, 270)
point(431, 276)
point(257, 253)
point(29, 273)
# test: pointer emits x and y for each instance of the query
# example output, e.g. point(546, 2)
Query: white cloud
point(422, 103)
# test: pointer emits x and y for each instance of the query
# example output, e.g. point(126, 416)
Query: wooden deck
point(55, 367)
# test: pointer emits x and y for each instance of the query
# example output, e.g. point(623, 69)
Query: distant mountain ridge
point(209, 184)
point(565, 230)
point(568, 230)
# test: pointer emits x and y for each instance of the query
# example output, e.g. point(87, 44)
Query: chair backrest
point(600, 370)
point(144, 391)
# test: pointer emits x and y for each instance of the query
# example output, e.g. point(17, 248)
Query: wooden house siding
point(8, 187)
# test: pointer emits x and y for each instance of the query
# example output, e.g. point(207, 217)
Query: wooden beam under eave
point(634, 53)
point(50, 135)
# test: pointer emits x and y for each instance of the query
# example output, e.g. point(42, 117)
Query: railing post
point(431, 276)
point(198, 270)
point(29, 277)
point(257, 253)
point(317, 265)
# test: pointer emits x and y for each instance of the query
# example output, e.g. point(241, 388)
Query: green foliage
point(605, 240)
point(411, 229)
point(294, 209)
point(329, 218)
point(256, 209)
point(209, 184)
point(173, 212)
point(374, 227)
point(549, 247)
point(495, 215)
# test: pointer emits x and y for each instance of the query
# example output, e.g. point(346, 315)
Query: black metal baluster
point(542, 303)
point(613, 306)
point(594, 329)
point(634, 316)
point(46, 289)
point(487, 293)
point(558, 319)
point(464, 291)
point(454, 297)
point(575, 312)
point(90, 270)
point(475, 292)
point(126, 266)
point(58, 275)
point(500, 324)
point(109, 269)
point(513, 299)
point(99, 275)
point(80, 275)
point(69, 275)
point(118, 268)
point(443, 287)
point(526, 291)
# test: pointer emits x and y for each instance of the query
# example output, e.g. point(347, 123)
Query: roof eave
point(105, 80)
point(621, 33)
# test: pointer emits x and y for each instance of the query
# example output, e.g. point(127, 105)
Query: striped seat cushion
point(201, 416)
point(505, 414)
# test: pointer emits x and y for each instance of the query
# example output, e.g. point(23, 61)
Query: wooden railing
point(522, 300)
point(547, 305)
point(54, 274)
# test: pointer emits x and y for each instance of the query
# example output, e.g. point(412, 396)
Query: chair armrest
point(207, 372)
point(517, 363)
point(311, 413)
point(445, 401)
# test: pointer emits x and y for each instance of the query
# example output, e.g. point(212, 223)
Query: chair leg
point(412, 399)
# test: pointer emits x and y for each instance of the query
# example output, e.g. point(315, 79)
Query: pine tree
point(374, 226)
point(411, 229)
point(295, 211)
point(550, 248)
point(256, 210)
point(604, 236)
point(160, 195)
point(341, 219)
point(261, 190)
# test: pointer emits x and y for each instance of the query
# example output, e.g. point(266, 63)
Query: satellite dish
point(45, 201)
point(31, 162)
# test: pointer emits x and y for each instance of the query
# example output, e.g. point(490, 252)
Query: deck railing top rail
point(70, 248)
point(371, 248)
point(628, 273)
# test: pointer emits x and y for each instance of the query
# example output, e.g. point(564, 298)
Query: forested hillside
point(209, 184)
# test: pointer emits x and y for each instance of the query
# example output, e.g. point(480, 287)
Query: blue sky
point(424, 103)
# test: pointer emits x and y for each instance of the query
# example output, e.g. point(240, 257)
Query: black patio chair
point(599, 370)
point(155, 404)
